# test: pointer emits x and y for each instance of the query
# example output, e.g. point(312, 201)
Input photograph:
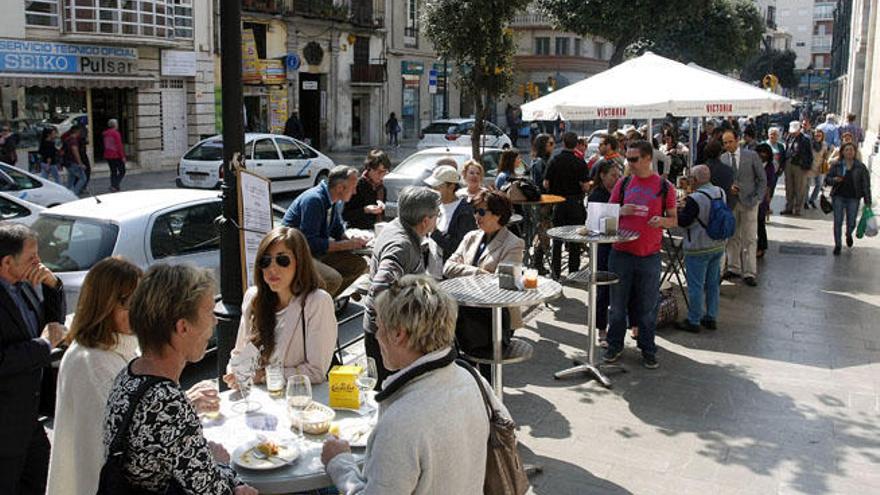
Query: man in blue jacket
point(317, 213)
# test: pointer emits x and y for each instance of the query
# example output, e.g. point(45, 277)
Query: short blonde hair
point(166, 294)
point(475, 164)
point(417, 305)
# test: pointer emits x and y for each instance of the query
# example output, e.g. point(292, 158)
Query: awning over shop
point(75, 81)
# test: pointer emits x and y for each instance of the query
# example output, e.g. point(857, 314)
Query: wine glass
point(368, 379)
point(244, 378)
point(299, 396)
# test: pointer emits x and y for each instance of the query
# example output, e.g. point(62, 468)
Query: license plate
point(197, 177)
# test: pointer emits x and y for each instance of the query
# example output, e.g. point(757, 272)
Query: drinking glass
point(299, 396)
point(368, 379)
point(244, 377)
point(275, 378)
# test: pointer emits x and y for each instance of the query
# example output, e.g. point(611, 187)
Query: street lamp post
point(445, 88)
point(228, 310)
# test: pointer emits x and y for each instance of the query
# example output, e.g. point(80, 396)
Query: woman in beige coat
point(481, 251)
point(821, 154)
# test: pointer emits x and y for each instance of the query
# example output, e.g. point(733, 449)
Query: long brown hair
point(507, 163)
point(110, 282)
point(305, 280)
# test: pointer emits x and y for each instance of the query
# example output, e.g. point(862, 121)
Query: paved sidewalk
point(782, 398)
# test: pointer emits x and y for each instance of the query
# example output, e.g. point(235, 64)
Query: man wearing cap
point(798, 161)
point(456, 216)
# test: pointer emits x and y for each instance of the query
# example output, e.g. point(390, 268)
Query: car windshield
point(74, 244)
point(415, 164)
point(208, 151)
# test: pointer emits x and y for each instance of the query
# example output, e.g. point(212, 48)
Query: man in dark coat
point(293, 127)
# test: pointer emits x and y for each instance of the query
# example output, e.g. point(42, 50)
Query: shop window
point(43, 13)
point(186, 231)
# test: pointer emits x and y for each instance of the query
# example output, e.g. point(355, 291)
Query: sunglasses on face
point(633, 159)
point(481, 211)
point(282, 260)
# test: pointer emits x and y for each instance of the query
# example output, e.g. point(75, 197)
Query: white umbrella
point(651, 86)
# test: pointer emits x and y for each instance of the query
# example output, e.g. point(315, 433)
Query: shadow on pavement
point(560, 477)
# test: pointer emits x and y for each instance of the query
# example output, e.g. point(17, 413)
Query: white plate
point(355, 431)
point(287, 453)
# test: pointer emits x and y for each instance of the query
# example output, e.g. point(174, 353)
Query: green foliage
point(476, 35)
point(724, 39)
point(780, 63)
point(629, 24)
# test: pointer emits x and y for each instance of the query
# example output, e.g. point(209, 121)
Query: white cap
point(794, 126)
point(443, 174)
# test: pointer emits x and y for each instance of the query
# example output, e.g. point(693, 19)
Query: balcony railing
point(282, 7)
point(360, 13)
point(326, 9)
point(530, 19)
point(369, 73)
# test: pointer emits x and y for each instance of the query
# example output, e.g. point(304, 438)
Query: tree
point(724, 39)
point(626, 25)
point(476, 35)
point(779, 63)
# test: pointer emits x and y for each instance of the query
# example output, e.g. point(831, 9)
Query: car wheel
point(322, 177)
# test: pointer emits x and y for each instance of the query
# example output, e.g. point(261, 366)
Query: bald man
point(702, 254)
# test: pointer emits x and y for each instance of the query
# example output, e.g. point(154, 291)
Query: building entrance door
point(310, 107)
point(175, 136)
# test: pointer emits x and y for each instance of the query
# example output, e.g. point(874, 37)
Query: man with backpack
point(747, 192)
point(647, 207)
point(708, 222)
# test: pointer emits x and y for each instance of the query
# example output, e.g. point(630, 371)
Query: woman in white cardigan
point(286, 314)
point(481, 251)
point(101, 344)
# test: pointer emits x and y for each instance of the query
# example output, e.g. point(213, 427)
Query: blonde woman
point(101, 344)
point(473, 175)
point(287, 314)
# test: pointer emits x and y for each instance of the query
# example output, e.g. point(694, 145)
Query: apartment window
point(771, 16)
point(411, 30)
point(542, 46)
point(600, 50)
point(148, 18)
point(577, 47)
point(562, 46)
point(41, 13)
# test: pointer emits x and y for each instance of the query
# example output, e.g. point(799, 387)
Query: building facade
point(147, 64)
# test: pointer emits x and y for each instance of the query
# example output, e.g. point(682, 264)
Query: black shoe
point(849, 241)
point(813, 205)
point(806, 206)
point(750, 281)
point(649, 361)
point(709, 324)
point(729, 275)
point(687, 326)
point(836, 250)
point(611, 355)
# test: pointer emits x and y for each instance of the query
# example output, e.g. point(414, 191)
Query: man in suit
point(747, 191)
point(30, 327)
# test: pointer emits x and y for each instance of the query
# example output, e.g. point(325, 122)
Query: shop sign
point(310, 85)
point(178, 63)
point(432, 81)
point(412, 67)
point(64, 58)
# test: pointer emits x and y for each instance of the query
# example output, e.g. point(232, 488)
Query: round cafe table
point(482, 291)
point(233, 429)
point(531, 221)
point(591, 277)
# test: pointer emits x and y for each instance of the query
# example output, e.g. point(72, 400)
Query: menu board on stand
point(254, 219)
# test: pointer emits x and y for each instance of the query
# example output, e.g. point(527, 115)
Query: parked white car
point(33, 188)
point(291, 165)
point(457, 132)
point(146, 227)
point(418, 166)
point(13, 209)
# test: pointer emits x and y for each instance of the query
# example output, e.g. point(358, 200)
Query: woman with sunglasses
point(101, 344)
point(286, 314)
point(481, 251)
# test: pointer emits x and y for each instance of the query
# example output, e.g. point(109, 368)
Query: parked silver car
point(146, 227)
point(33, 188)
point(13, 209)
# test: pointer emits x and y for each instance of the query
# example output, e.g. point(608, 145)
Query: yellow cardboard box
point(344, 392)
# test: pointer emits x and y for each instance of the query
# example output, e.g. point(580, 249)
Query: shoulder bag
point(504, 469)
point(112, 480)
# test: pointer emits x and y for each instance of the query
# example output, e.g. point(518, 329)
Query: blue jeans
point(76, 178)
point(639, 279)
point(50, 169)
point(842, 205)
point(704, 282)
point(817, 187)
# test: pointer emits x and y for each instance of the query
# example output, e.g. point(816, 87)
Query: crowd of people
point(118, 386)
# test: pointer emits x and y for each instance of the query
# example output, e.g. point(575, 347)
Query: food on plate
point(267, 448)
point(334, 429)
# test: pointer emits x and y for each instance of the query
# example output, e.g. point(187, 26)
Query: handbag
point(504, 469)
point(112, 480)
point(520, 190)
point(825, 204)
